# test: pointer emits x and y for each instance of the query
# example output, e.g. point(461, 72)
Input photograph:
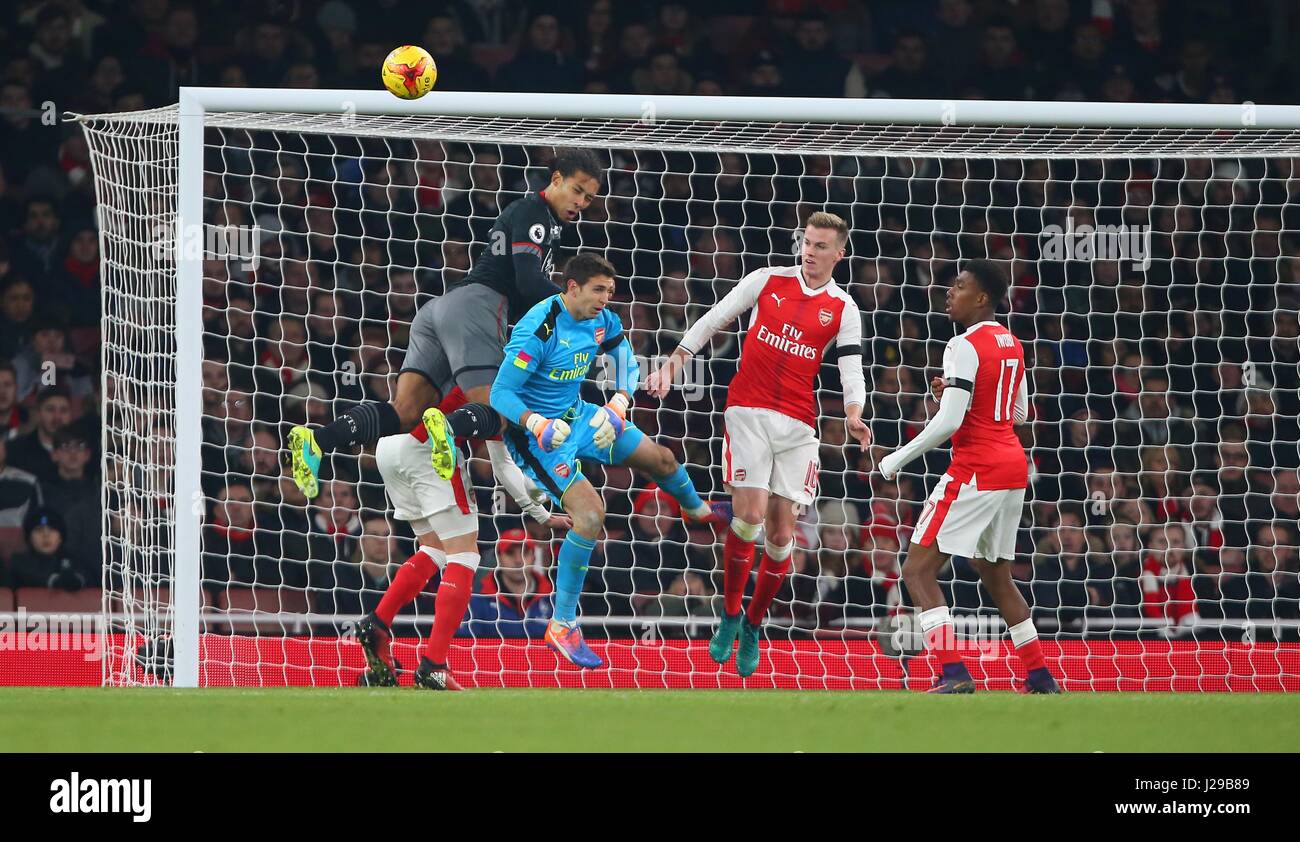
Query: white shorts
point(971, 523)
point(765, 449)
point(420, 497)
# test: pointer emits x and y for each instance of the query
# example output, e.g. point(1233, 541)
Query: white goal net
point(1156, 284)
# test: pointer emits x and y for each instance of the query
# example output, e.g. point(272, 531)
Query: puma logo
point(564, 343)
point(778, 299)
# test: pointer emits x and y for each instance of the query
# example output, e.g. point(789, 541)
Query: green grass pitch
point(387, 720)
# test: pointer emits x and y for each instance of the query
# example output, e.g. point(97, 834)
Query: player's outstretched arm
point(742, 297)
point(516, 485)
point(952, 409)
point(849, 345)
point(857, 427)
point(610, 422)
point(627, 370)
point(659, 381)
point(960, 364)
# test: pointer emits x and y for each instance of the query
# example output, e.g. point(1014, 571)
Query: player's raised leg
point(475, 420)
point(471, 327)
point(585, 506)
point(644, 455)
point(365, 423)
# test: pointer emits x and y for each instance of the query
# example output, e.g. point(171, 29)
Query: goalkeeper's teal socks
point(679, 485)
point(575, 553)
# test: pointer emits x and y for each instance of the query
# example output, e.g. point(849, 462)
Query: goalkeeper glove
point(610, 421)
point(550, 433)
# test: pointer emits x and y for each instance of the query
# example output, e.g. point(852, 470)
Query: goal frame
point(196, 102)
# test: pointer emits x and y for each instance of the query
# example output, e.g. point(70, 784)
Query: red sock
point(449, 609)
point(410, 579)
point(942, 641)
point(737, 561)
point(770, 576)
point(1031, 655)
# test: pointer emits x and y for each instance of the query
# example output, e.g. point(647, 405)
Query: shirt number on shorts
point(1007, 376)
point(810, 479)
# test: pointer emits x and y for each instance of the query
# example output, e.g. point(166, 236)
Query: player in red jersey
point(445, 521)
point(975, 509)
point(770, 447)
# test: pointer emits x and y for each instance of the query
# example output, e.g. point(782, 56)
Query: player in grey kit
point(457, 339)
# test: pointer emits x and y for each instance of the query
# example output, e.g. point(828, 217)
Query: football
point(409, 72)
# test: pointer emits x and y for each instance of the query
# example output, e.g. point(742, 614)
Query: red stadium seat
point(241, 603)
point(54, 601)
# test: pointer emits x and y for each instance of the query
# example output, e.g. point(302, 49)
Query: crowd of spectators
point(1164, 428)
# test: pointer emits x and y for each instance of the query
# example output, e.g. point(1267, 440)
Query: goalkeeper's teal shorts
point(557, 469)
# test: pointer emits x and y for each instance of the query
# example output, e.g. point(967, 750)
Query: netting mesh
point(136, 189)
point(1156, 285)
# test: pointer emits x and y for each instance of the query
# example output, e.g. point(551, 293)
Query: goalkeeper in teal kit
point(537, 390)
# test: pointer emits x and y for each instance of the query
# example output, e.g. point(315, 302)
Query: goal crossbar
point(938, 112)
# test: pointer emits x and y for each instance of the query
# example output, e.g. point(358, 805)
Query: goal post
point(188, 599)
point(940, 169)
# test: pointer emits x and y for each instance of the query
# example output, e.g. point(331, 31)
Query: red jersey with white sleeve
point(1167, 592)
point(790, 329)
point(989, 362)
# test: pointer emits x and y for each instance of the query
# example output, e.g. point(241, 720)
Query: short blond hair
point(822, 219)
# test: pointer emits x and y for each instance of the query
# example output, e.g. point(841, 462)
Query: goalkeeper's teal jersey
point(549, 355)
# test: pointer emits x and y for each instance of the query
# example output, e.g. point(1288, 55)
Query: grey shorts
point(457, 339)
